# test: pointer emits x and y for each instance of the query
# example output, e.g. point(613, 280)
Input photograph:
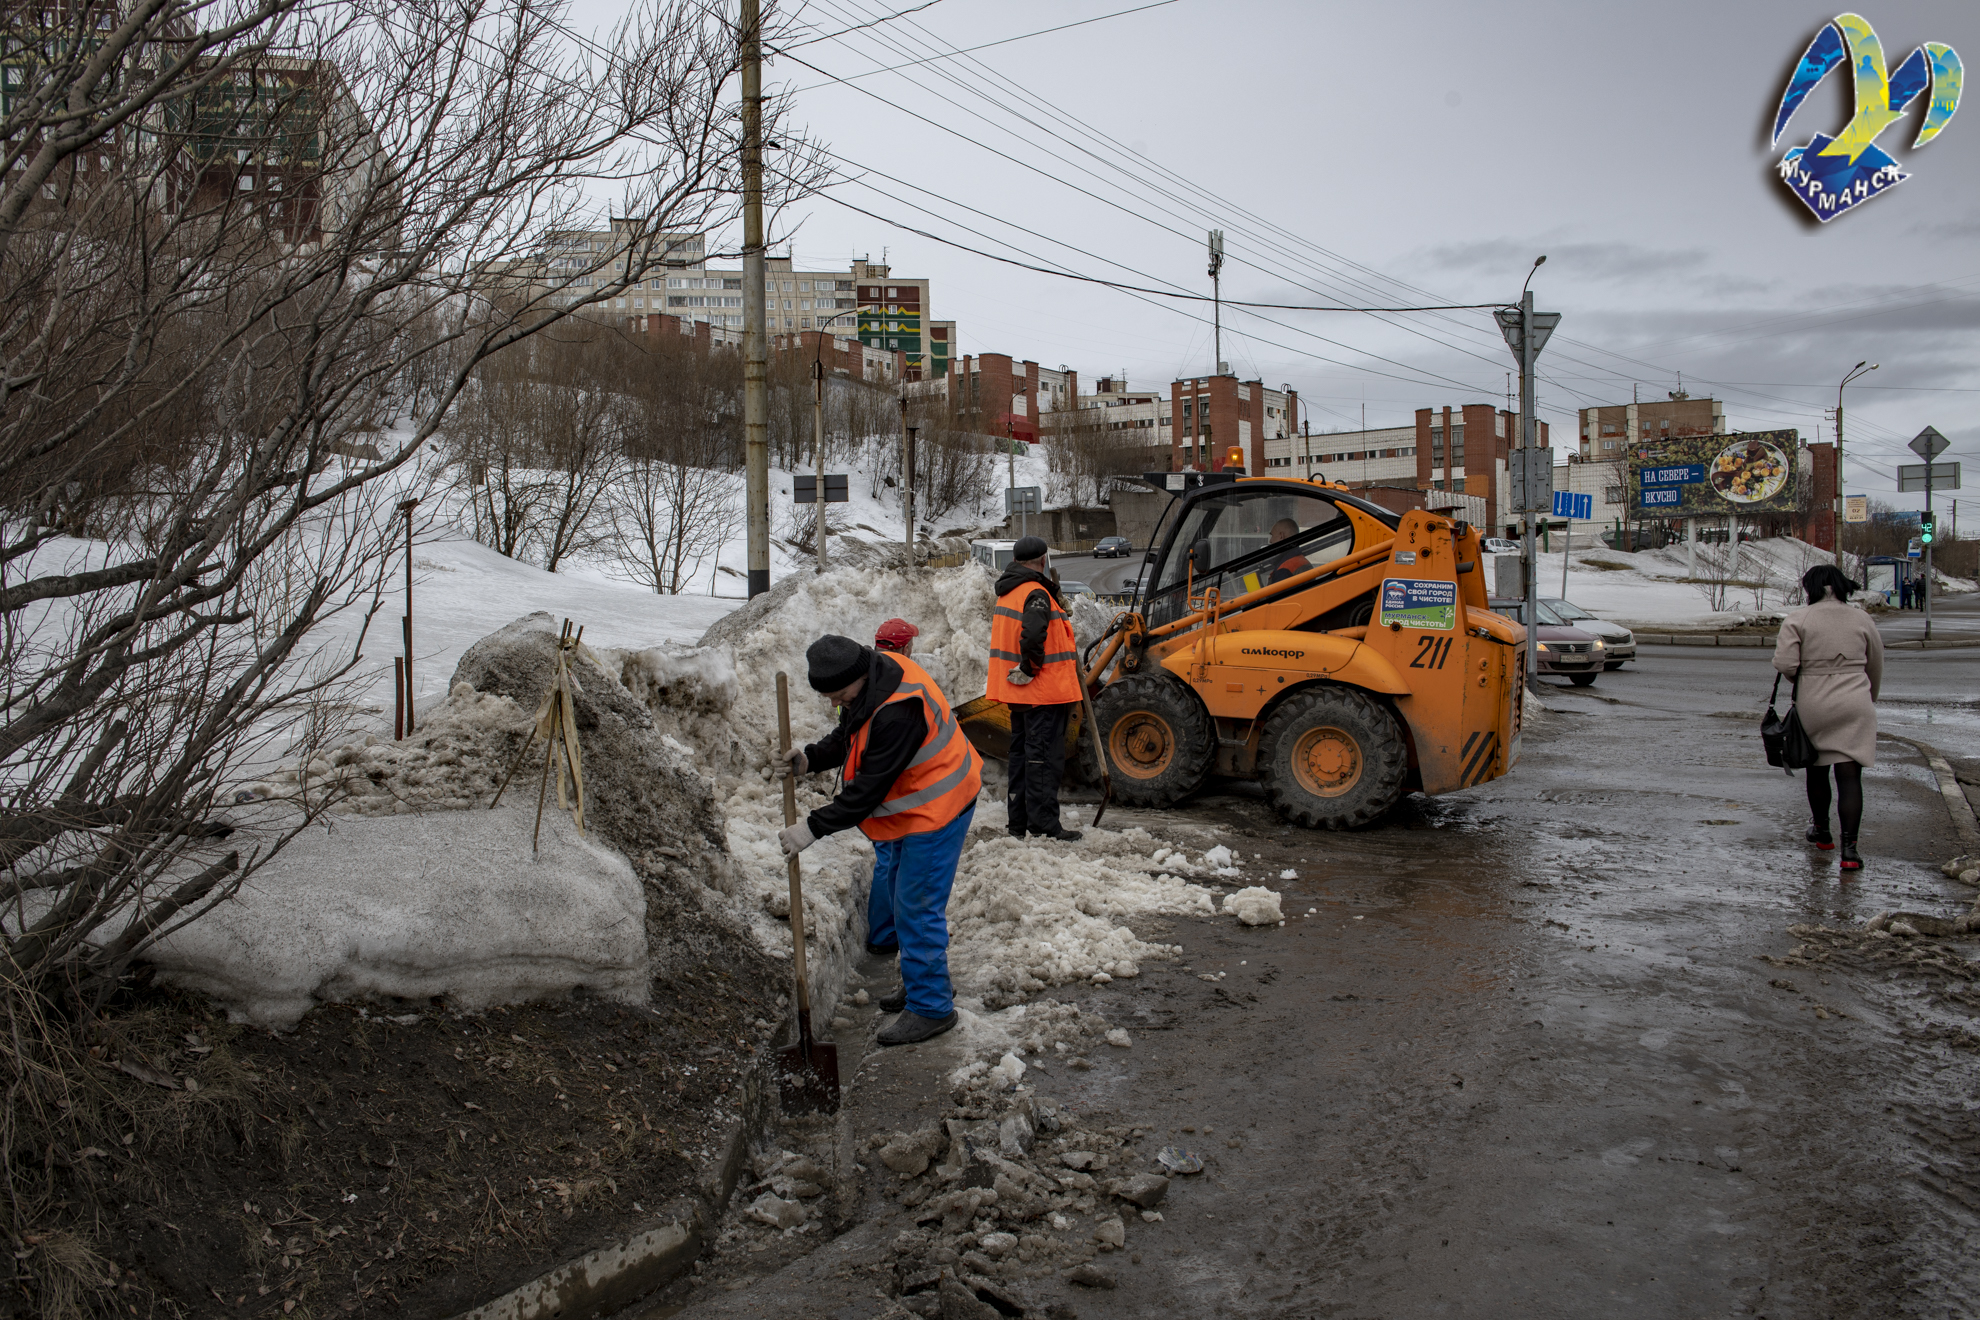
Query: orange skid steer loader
point(1288, 632)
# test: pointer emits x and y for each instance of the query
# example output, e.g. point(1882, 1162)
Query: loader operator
point(1285, 530)
point(1034, 670)
point(910, 784)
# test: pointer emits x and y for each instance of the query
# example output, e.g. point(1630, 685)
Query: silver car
point(1618, 641)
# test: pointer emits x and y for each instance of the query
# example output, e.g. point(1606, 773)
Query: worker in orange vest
point(910, 785)
point(1034, 670)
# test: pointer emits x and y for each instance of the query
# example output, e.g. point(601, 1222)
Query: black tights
point(1849, 795)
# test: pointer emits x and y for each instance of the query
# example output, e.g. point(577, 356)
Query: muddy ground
point(1546, 1048)
point(398, 1160)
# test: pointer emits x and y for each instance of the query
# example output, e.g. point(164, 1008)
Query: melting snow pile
point(408, 893)
point(1255, 906)
point(1026, 915)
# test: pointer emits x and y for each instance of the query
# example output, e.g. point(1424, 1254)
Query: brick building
point(995, 394)
point(1607, 431)
point(1213, 415)
point(1464, 450)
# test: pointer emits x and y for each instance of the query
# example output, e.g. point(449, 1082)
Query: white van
point(993, 555)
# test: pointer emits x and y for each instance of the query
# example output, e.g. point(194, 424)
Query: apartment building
point(1385, 456)
point(892, 313)
point(1607, 431)
point(1213, 415)
point(995, 394)
point(1137, 416)
point(1464, 450)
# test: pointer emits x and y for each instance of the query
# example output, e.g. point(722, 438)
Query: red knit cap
point(894, 634)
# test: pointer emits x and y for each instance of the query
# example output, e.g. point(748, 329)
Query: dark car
point(1569, 652)
point(1112, 547)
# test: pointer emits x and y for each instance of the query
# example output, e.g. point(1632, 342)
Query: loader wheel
point(1332, 758)
point(1158, 739)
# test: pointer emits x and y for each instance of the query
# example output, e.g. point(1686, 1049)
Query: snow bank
point(447, 903)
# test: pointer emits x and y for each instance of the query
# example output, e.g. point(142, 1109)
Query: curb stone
point(618, 1274)
point(1767, 639)
point(1957, 806)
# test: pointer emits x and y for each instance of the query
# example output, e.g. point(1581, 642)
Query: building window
point(1457, 486)
point(1612, 495)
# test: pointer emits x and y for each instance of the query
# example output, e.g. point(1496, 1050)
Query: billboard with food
point(1693, 476)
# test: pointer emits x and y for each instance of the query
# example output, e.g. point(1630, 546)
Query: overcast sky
point(1403, 154)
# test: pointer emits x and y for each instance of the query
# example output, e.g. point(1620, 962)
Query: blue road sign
point(1569, 505)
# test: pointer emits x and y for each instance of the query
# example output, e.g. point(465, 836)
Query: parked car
point(1575, 655)
point(1112, 547)
point(1618, 641)
point(1499, 545)
point(1069, 587)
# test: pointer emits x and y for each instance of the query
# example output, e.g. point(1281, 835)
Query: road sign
point(1928, 444)
point(804, 490)
point(1543, 328)
point(1531, 474)
point(1912, 476)
point(1567, 504)
point(1021, 499)
point(1914, 549)
point(1856, 508)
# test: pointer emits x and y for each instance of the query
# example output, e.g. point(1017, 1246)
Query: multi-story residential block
point(1608, 431)
point(1464, 450)
point(1213, 415)
point(893, 313)
point(1130, 416)
point(1385, 456)
point(994, 394)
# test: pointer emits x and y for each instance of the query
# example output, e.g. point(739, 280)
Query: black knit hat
point(1028, 548)
point(835, 662)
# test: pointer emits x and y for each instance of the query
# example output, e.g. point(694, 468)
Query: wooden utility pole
point(818, 443)
point(406, 507)
point(756, 364)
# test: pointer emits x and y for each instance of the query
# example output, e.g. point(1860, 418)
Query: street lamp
point(1862, 368)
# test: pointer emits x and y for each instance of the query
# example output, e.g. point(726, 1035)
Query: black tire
point(1612, 666)
point(1158, 738)
point(1583, 680)
point(1332, 758)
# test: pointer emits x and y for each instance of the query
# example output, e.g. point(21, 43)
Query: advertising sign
point(1856, 508)
point(1415, 603)
point(1752, 472)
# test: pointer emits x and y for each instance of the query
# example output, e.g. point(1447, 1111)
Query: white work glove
point(793, 765)
point(796, 839)
point(1018, 676)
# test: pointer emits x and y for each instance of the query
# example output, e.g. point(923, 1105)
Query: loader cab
point(1241, 535)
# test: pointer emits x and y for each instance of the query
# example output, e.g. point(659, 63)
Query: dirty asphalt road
point(1523, 1057)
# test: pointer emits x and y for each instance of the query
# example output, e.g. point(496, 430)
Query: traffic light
point(1927, 533)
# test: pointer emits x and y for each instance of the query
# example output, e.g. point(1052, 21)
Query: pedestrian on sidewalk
point(909, 784)
point(1904, 593)
point(1835, 656)
point(1034, 670)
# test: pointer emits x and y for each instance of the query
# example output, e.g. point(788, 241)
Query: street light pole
point(1530, 564)
point(818, 444)
point(1862, 368)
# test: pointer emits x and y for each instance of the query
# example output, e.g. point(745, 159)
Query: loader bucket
point(986, 722)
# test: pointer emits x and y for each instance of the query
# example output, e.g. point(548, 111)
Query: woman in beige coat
point(1833, 653)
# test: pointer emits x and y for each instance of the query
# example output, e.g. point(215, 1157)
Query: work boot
point(912, 1028)
point(894, 1000)
point(883, 950)
point(1849, 860)
point(1819, 835)
point(1062, 835)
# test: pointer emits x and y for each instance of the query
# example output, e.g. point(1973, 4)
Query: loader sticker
point(1416, 603)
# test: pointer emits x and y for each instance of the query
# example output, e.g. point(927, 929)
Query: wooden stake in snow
point(556, 724)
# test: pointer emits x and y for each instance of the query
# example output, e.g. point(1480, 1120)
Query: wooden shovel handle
point(797, 885)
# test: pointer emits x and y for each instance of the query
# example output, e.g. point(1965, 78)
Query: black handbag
point(1788, 744)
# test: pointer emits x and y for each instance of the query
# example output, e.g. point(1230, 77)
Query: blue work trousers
point(909, 905)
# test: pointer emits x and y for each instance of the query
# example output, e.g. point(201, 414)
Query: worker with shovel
point(1034, 670)
point(910, 783)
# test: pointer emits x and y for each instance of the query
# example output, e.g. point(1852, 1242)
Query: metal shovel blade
point(808, 1074)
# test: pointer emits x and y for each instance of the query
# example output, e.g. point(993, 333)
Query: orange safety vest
point(942, 780)
point(1058, 681)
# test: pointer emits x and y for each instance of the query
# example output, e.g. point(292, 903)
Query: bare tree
point(221, 266)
